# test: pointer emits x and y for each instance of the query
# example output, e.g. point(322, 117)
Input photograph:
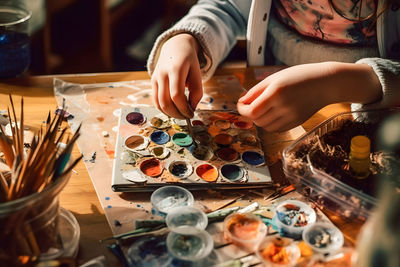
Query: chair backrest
point(256, 35)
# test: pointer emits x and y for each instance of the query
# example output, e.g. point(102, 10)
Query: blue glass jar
point(14, 41)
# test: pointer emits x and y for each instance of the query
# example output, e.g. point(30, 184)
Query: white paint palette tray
point(153, 150)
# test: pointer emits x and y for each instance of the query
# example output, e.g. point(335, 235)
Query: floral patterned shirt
point(337, 23)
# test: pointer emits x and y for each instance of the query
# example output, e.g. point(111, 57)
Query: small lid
point(323, 237)
point(186, 220)
point(167, 197)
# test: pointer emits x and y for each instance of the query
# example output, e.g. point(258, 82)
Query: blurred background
point(84, 36)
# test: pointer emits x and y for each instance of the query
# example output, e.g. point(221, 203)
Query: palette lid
point(186, 220)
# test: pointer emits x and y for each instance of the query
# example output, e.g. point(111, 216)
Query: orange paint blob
point(207, 172)
point(243, 227)
point(275, 254)
point(213, 130)
point(151, 167)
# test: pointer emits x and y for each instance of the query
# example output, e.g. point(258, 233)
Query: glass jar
point(14, 39)
point(30, 226)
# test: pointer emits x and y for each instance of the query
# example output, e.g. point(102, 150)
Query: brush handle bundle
point(39, 170)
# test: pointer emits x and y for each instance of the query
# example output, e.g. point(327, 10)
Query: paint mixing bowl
point(275, 251)
point(323, 238)
point(190, 247)
point(186, 220)
point(245, 230)
point(292, 217)
point(168, 197)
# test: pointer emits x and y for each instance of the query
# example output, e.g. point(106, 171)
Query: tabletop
point(79, 195)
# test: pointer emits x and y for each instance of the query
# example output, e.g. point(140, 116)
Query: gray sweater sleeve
point(388, 72)
point(216, 26)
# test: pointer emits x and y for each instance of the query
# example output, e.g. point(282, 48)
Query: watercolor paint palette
point(153, 150)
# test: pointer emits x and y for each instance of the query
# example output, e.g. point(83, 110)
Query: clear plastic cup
point(275, 251)
point(168, 197)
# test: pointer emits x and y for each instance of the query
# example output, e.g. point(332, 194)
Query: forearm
point(355, 83)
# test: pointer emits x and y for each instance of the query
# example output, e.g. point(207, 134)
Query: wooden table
point(79, 196)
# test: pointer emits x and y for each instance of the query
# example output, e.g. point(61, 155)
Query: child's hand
point(177, 67)
point(289, 97)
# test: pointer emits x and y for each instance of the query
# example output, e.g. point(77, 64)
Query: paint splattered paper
point(153, 150)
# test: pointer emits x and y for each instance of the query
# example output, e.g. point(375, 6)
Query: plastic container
point(190, 247)
point(323, 238)
point(325, 190)
point(292, 217)
point(245, 230)
point(168, 197)
point(35, 225)
point(186, 220)
point(275, 251)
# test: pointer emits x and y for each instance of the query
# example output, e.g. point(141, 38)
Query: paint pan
point(245, 230)
point(190, 247)
point(293, 216)
point(207, 172)
point(248, 138)
point(323, 238)
point(166, 198)
point(222, 124)
point(151, 167)
point(136, 142)
point(159, 137)
point(223, 139)
point(232, 172)
point(278, 251)
point(161, 121)
point(134, 176)
point(180, 168)
point(203, 138)
point(197, 123)
point(201, 152)
point(160, 152)
point(253, 158)
point(243, 124)
point(182, 139)
point(135, 118)
point(227, 154)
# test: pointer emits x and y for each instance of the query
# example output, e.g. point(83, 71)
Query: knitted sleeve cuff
point(388, 72)
point(201, 32)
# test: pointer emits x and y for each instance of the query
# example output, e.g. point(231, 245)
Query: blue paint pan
point(253, 158)
point(232, 172)
point(159, 137)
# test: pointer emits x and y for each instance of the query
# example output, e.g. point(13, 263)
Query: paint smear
point(253, 158)
point(232, 172)
point(135, 118)
point(159, 137)
point(151, 167)
point(182, 139)
point(207, 172)
point(223, 139)
point(227, 154)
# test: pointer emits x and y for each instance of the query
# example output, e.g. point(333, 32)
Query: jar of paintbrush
point(33, 226)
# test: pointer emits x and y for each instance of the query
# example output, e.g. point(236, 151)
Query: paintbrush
point(190, 128)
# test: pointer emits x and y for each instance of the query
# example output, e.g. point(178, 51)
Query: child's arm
point(289, 97)
point(191, 50)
